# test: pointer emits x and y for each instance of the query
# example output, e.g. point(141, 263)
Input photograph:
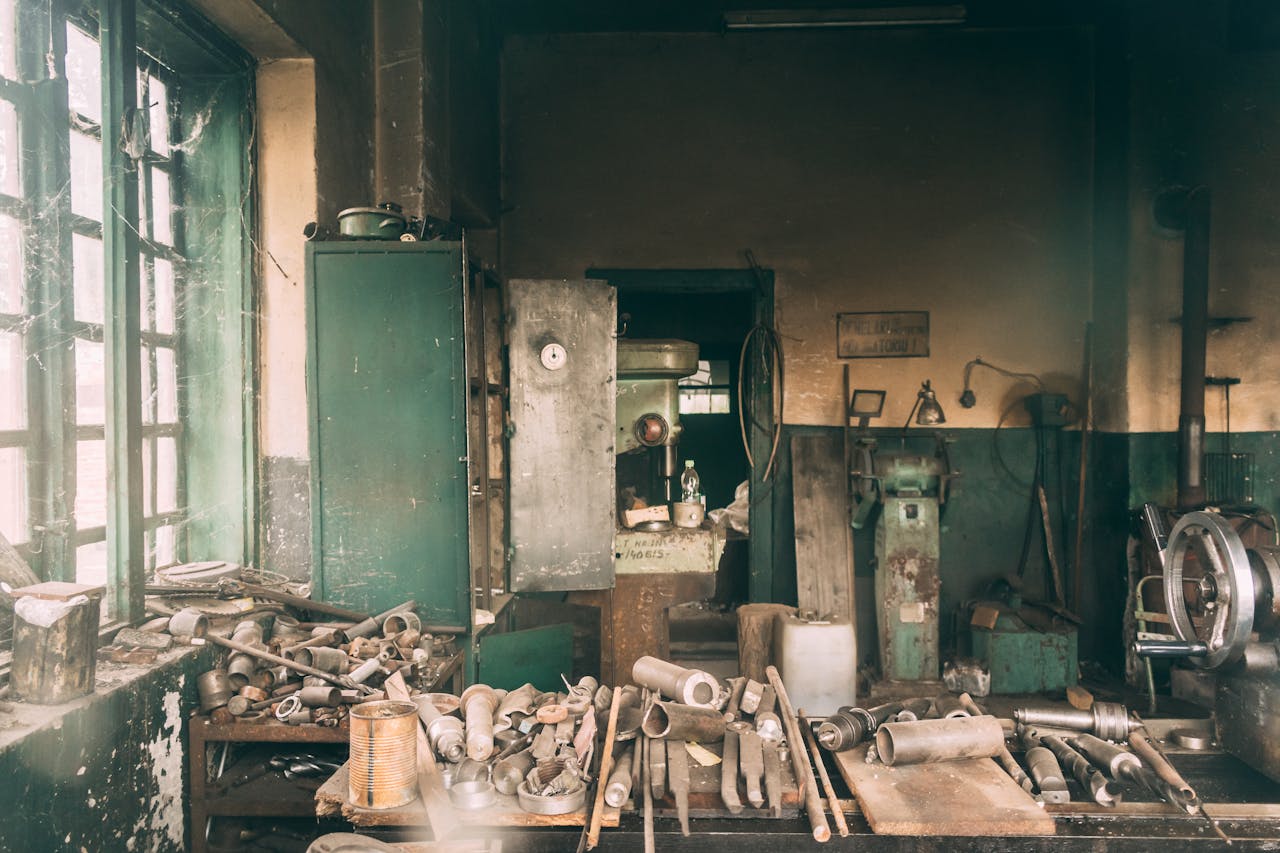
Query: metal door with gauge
point(562, 357)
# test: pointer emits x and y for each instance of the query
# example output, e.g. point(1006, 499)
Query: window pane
point(166, 386)
point(166, 474)
point(158, 99)
point(148, 392)
point(148, 506)
point(144, 296)
point(164, 296)
point(91, 383)
point(10, 150)
point(9, 39)
point(13, 382)
point(13, 493)
point(91, 565)
point(86, 273)
point(91, 484)
point(161, 224)
point(11, 301)
point(86, 176)
point(84, 75)
point(166, 546)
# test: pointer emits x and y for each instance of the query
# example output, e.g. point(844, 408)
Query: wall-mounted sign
point(882, 334)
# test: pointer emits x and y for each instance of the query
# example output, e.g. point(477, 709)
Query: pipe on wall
point(1195, 333)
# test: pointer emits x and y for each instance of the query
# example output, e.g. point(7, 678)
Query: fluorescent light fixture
point(868, 16)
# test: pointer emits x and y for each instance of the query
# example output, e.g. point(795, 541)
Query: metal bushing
point(320, 697)
point(472, 795)
point(553, 804)
point(188, 622)
point(397, 623)
point(214, 688)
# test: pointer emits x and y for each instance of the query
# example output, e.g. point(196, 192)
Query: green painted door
point(387, 386)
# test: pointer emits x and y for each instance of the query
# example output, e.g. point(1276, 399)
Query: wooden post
point(755, 637)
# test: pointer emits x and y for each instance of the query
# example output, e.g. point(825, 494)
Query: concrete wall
point(945, 171)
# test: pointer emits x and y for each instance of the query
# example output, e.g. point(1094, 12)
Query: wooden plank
point(972, 797)
point(824, 540)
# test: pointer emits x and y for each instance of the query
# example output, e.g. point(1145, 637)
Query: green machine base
point(1027, 655)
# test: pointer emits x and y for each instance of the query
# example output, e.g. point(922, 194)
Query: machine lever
point(1155, 528)
point(1170, 649)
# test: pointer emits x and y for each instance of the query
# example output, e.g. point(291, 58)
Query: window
point(707, 391)
point(98, 485)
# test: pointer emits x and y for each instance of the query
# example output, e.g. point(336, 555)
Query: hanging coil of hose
point(762, 349)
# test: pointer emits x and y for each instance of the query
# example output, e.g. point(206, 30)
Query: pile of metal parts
point(684, 714)
point(528, 743)
point(1103, 747)
point(299, 674)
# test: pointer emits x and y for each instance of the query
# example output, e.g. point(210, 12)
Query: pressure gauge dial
point(554, 356)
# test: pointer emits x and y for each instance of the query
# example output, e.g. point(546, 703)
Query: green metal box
point(1025, 659)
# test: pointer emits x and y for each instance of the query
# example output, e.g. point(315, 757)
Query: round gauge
point(554, 356)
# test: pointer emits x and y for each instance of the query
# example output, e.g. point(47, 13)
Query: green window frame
point(132, 280)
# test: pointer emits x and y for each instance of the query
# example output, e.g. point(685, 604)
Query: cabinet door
point(387, 392)
point(562, 362)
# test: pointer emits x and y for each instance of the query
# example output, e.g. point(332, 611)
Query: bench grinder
point(1222, 602)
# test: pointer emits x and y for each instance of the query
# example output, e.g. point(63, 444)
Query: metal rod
point(800, 760)
point(1148, 752)
point(837, 813)
point(606, 766)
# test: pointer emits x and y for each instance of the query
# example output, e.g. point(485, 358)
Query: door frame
point(759, 284)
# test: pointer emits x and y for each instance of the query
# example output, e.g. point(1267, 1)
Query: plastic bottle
point(690, 483)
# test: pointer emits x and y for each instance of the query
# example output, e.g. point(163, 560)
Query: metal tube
point(479, 701)
point(674, 721)
point(939, 740)
point(690, 686)
point(1195, 336)
point(948, 707)
point(1103, 792)
point(1147, 751)
point(913, 709)
point(1108, 720)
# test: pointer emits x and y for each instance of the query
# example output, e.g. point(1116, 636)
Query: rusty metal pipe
point(676, 721)
point(939, 740)
point(1195, 337)
point(320, 697)
point(948, 707)
point(689, 686)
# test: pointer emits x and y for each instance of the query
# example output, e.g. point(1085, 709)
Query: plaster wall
point(944, 171)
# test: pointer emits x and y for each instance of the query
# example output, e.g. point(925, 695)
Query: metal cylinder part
point(1117, 761)
point(1107, 720)
point(323, 658)
point(188, 623)
point(676, 721)
point(240, 669)
point(752, 693)
point(254, 694)
point(939, 740)
point(619, 787)
point(365, 671)
point(398, 623)
point(510, 771)
point(1103, 792)
point(948, 707)
point(1047, 774)
point(690, 686)
point(913, 709)
point(321, 697)
point(472, 795)
point(479, 702)
point(214, 688)
point(1147, 751)
point(850, 726)
point(384, 756)
point(768, 726)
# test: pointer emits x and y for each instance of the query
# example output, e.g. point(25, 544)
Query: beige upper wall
point(944, 171)
point(1203, 114)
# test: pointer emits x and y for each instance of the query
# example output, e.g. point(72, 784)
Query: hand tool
point(1107, 720)
point(678, 773)
point(751, 762)
point(1045, 770)
point(837, 813)
point(800, 760)
point(658, 767)
point(1103, 792)
point(773, 777)
point(729, 772)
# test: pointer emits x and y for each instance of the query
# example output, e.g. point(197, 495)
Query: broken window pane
point(86, 176)
point(91, 484)
point(86, 273)
point(10, 150)
point(13, 494)
point(11, 301)
point(84, 74)
point(13, 382)
point(91, 383)
point(166, 546)
point(91, 564)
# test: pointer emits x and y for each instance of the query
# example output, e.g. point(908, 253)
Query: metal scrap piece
point(751, 759)
point(773, 777)
point(678, 776)
point(729, 773)
point(658, 767)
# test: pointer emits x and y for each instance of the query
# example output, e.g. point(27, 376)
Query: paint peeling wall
point(943, 171)
point(105, 772)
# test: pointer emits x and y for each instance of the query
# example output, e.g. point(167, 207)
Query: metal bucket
point(384, 754)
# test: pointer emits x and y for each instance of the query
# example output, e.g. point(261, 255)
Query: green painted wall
point(105, 772)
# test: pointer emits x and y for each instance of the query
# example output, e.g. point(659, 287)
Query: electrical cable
point(771, 364)
point(967, 398)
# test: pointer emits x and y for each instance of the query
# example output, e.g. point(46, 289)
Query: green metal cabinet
point(387, 394)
